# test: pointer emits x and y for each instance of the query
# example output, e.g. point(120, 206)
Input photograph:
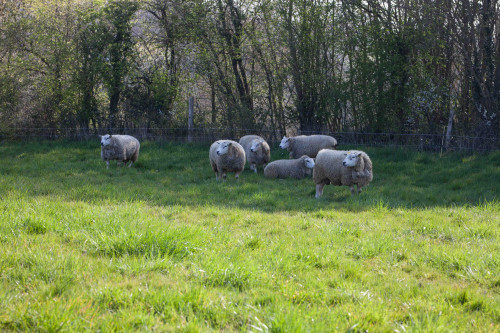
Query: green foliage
point(308, 29)
point(165, 90)
point(163, 246)
point(91, 44)
point(118, 52)
point(370, 66)
point(38, 57)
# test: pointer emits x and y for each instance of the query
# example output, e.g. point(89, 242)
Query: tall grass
point(163, 246)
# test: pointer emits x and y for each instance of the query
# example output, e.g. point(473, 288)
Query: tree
point(119, 15)
point(308, 27)
point(39, 35)
point(91, 42)
point(167, 35)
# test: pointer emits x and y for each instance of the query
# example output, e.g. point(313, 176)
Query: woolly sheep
point(227, 156)
point(307, 145)
point(296, 168)
point(347, 168)
point(123, 148)
point(257, 151)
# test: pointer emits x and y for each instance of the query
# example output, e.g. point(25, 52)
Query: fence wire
point(428, 142)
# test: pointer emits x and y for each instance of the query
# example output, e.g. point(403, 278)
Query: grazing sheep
point(347, 168)
point(297, 168)
point(123, 148)
point(227, 156)
point(307, 145)
point(257, 151)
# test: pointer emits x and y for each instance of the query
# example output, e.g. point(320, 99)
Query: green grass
point(162, 246)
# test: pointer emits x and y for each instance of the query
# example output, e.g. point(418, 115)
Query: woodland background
point(286, 66)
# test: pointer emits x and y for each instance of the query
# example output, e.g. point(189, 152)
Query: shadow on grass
point(180, 174)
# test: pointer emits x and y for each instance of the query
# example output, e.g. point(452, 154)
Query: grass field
point(163, 247)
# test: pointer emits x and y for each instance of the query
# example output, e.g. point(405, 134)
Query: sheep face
point(223, 148)
point(285, 143)
point(255, 145)
point(106, 140)
point(309, 163)
point(351, 160)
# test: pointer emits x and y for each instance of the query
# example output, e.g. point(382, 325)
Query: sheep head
point(106, 140)
point(256, 144)
point(223, 148)
point(354, 160)
point(285, 143)
point(308, 162)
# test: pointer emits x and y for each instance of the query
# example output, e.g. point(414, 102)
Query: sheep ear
point(110, 136)
point(345, 154)
point(230, 143)
point(359, 154)
point(218, 142)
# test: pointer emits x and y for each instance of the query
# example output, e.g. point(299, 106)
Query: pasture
point(163, 247)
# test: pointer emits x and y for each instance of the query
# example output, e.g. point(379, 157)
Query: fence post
point(190, 119)
point(448, 130)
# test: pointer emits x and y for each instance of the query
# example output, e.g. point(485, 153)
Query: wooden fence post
point(190, 119)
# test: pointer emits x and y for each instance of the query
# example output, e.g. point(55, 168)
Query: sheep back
point(294, 168)
point(310, 145)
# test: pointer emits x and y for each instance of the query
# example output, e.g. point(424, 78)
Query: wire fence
point(427, 142)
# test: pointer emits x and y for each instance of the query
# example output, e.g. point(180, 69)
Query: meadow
point(163, 247)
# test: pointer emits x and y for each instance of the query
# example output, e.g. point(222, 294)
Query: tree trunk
point(113, 109)
point(448, 129)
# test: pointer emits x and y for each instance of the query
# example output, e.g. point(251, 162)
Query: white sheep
point(342, 168)
point(227, 156)
point(295, 168)
point(123, 148)
point(307, 145)
point(257, 151)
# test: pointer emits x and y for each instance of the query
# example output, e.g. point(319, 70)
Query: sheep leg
point(238, 175)
point(319, 190)
point(107, 164)
point(352, 189)
point(359, 189)
point(224, 176)
point(130, 164)
point(253, 167)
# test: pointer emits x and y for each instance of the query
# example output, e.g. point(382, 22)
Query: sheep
point(257, 151)
point(347, 168)
point(227, 156)
point(123, 148)
point(307, 145)
point(295, 168)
